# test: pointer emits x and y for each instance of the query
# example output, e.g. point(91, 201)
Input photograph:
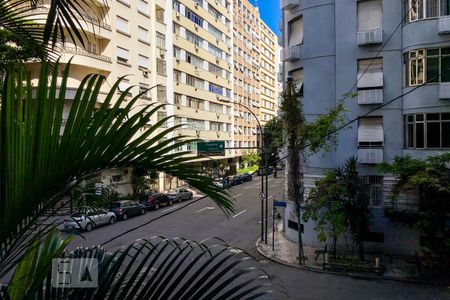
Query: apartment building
point(202, 72)
point(331, 49)
point(129, 40)
point(255, 72)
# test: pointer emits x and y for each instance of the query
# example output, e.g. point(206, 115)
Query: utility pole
point(266, 169)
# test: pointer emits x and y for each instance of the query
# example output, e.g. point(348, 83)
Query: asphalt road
point(200, 219)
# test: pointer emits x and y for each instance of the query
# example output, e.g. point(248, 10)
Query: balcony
point(444, 25)
point(372, 96)
point(370, 155)
point(370, 37)
point(289, 4)
point(444, 90)
point(84, 52)
point(292, 53)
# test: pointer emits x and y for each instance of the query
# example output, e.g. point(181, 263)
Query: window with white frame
point(194, 60)
point(215, 51)
point(295, 32)
point(123, 55)
point(195, 103)
point(193, 38)
point(426, 9)
point(161, 93)
point(176, 76)
point(370, 15)
point(177, 52)
point(144, 91)
point(215, 32)
point(143, 7)
point(124, 84)
point(177, 99)
point(215, 126)
point(122, 25)
point(143, 34)
point(370, 132)
point(427, 65)
point(218, 108)
point(161, 67)
point(193, 17)
point(427, 131)
point(143, 62)
point(215, 69)
point(160, 40)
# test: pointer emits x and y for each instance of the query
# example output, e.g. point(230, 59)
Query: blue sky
point(270, 13)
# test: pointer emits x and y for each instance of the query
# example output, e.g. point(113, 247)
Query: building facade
point(332, 48)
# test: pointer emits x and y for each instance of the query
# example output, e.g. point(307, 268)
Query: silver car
point(180, 194)
point(88, 218)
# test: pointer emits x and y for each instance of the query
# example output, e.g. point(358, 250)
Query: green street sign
point(216, 148)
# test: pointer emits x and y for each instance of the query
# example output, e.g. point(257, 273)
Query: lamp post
point(263, 154)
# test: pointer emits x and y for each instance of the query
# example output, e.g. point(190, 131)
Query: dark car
point(246, 177)
point(126, 208)
point(236, 180)
point(156, 200)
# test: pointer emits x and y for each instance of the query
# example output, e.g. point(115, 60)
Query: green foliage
point(274, 133)
point(340, 203)
point(249, 169)
point(250, 158)
point(142, 181)
point(430, 178)
point(159, 268)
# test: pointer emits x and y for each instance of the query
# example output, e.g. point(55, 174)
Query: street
point(200, 219)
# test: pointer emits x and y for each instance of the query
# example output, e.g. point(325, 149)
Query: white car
point(88, 218)
point(180, 194)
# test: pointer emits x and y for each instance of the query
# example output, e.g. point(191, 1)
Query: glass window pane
point(445, 7)
point(446, 134)
point(420, 135)
point(445, 116)
point(445, 51)
point(433, 117)
point(433, 52)
point(410, 136)
point(433, 69)
point(432, 8)
point(445, 69)
point(419, 117)
point(433, 135)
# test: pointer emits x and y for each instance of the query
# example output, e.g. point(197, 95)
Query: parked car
point(126, 208)
point(89, 218)
point(220, 182)
point(180, 194)
point(156, 200)
point(246, 177)
point(236, 180)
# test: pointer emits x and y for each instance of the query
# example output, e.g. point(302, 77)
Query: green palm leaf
point(39, 164)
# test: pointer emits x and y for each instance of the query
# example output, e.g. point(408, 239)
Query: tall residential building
point(255, 73)
point(202, 66)
point(331, 49)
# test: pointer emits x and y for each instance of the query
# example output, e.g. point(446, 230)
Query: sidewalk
point(286, 253)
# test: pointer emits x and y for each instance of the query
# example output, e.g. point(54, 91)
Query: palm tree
point(42, 157)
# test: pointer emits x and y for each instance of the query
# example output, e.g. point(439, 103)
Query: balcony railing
point(84, 52)
point(292, 53)
point(370, 37)
point(372, 96)
point(370, 155)
point(444, 24)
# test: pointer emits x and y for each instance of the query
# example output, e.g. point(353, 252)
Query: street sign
point(279, 203)
point(216, 148)
point(262, 196)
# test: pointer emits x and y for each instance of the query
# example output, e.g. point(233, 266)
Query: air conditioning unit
point(218, 115)
point(196, 47)
point(178, 15)
point(196, 27)
point(197, 132)
point(196, 4)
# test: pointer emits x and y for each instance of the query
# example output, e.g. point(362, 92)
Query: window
point(195, 103)
point(143, 89)
point(176, 6)
point(195, 124)
point(424, 9)
point(214, 12)
point(177, 99)
point(160, 40)
point(218, 108)
point(215, 51)
point(298, 77)
point(215, 126)
point(176, 76)
point(215, 69)
point(121, 25)
point(161, 116)
point(176, 52)
point(370, 15)
point(161, 67)
point(123, 55)
point(143, 7)
point(194, 60)
point(193, 17)
point(161, 93)
point(215, 32)
point(430, 130)
point(375, 185)
point(159, 14)
point(216, 89)
point(194, 81)
point(370, 132)
point(193, 38)
point(124, 85)
point(370, 73)
point(143, 61)
point(143, 34)
point(295, 32)
point(427, 65)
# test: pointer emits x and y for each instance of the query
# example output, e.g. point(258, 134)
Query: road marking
point(205, 208)
point(239, 213)
point(237, 195)
point(172, 208)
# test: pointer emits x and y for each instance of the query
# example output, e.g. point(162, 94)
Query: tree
point(429, 179)
point(302, 138)
point(250, 158)
point(142, 181)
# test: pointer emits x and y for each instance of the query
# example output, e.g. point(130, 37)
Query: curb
point(352, 275)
